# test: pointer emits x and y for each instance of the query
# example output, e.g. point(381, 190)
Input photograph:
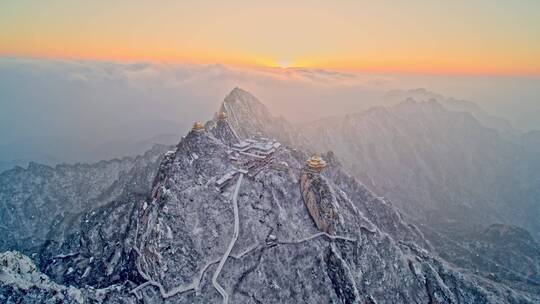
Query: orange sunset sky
point(485, 37)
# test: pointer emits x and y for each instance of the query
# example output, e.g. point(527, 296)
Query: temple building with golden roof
point(222, 115)
point(198, 127)
point(316, 163)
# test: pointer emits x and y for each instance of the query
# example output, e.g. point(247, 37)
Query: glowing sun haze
point(493, 37)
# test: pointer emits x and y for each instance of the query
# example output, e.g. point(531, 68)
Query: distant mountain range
point(43, 203)
point(440, 166)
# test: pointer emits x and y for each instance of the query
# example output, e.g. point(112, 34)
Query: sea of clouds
point(55, 111)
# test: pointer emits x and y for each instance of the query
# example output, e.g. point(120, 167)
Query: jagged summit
point(241, 96)
point(246, 113)
point(250, 117)
point(222, 129)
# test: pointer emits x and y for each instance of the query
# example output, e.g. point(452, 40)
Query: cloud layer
point(84, 106)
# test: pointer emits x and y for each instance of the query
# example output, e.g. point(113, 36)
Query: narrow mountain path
point(316, 235)
point(218, 287)
point(196, 282)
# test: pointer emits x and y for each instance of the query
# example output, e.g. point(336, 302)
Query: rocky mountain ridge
point(427, 159)
point(226, 220)
point(436, 154)
point(42, 203)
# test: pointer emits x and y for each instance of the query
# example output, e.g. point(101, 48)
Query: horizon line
point(277, 67)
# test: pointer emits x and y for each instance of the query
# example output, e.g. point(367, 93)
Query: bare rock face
point(249, 117)
point(319, 201)
point(224, 132)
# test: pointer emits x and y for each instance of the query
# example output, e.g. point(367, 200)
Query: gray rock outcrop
point(319, 201)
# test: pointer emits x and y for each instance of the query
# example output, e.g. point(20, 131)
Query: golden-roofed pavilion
point(316, 163)
point(198, 126)
point(222, 115)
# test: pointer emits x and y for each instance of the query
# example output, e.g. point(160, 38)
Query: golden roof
point(197, 126)
point(222, 115)
point(316, 163)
